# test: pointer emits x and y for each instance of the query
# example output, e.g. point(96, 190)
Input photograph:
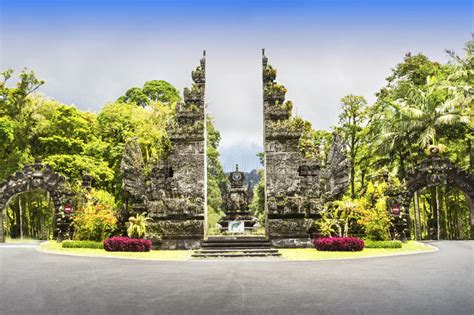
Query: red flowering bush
point(127, 244)
point(339, 244)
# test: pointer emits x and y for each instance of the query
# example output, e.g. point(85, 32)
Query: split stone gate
point(174, 194)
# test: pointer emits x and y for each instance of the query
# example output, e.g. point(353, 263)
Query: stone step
point(237, 244)
point(217, 239)
point(235, 254)
point(235, 250)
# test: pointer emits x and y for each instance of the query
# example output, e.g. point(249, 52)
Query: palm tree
point(440, 106)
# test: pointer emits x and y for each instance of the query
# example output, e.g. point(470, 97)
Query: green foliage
point(95, 218)
point(374, 217)
point(137, 225)
point(257, 206)
point(82, 244)
point(74, 166)
point(315, 144)
point(152, 91)
point(352, 121)
point(382, 244)
point(118, 123)
point(216, 178)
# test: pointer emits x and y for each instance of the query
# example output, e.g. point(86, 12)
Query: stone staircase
point(236, 246)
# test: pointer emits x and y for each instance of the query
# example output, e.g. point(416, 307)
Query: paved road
point(441, 282)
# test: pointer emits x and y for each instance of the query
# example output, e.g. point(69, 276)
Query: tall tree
point(352, 121)
point(152, 91)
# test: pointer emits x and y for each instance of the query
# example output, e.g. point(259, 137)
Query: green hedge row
point(82, 244)
point(383, 244)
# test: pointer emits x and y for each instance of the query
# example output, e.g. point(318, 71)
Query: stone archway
point(39, 176)
point(433, 171)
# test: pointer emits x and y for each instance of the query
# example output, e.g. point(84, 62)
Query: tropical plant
point(137, 225)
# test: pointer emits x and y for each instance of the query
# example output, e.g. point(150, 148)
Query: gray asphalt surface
point(440, 282)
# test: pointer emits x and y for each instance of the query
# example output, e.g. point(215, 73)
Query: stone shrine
point(236, 201)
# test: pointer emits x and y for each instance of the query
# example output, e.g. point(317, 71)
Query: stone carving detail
point(432, 171)
point(296, 187)
point(336, 173)
point(39, 176)
point(174, 194)
point(133, 179)
point(236, 201)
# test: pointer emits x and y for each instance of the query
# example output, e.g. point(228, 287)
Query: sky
point(90, 52)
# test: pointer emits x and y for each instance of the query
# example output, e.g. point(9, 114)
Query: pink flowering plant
point(127, 244)
point(339, 244)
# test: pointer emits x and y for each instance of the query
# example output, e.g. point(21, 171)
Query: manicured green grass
point(313, 254)
point(82, 244)
point(55, 247)
point(382, 244)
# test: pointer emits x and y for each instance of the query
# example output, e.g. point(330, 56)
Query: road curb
point(434, 249)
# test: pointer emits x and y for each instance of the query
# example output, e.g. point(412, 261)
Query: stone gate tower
point(175, 193)
point(182, 222)
point(296, 187)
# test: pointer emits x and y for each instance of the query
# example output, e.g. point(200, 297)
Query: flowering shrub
point(95, 218)
point(339, 244)
point(127, 244)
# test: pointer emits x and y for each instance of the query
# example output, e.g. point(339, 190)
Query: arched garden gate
point(433, 171)
point(40, 176)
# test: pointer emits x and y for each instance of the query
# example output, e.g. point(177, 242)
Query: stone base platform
point(292, 243)
point(178, 244)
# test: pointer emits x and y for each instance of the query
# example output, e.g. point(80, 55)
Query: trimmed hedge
point(82, 244)
point(339, 244)
point(127, 244)
point(383, 244)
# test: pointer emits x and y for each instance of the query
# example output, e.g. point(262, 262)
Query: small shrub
point(137, 225)
point(82, 244)
point(127, 244)
point(383, 244)
point(339, 244)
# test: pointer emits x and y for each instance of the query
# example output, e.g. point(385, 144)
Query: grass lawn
point(313, 254)
point(56, 247)
point(288, 253)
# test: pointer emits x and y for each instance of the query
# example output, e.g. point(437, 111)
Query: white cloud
point(91, 68)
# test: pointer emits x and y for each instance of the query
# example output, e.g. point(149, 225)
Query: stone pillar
point(287, 221)
point(179, 194)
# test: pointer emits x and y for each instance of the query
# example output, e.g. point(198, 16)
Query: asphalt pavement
point(441, 282)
